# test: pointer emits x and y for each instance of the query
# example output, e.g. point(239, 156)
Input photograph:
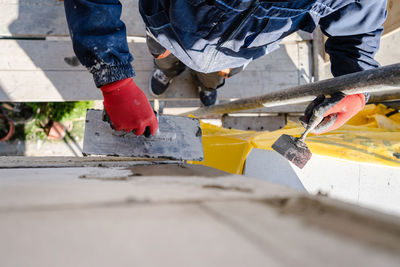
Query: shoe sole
point(170, 81)
point(202, 105)
point(160, 95)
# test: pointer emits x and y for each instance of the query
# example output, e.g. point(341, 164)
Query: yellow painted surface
point(370, 136)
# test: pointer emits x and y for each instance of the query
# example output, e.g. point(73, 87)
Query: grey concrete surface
point(179, 215)
point(370, 185)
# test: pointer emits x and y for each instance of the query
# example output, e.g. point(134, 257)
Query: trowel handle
point(313, 122)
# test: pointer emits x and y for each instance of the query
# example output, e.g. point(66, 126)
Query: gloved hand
point(336, 110)
point(128, 107)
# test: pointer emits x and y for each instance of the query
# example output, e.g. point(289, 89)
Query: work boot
point(208, 98)
point(159, 82)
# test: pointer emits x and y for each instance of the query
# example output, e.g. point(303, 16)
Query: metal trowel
point(178, 138)
point(295, 149)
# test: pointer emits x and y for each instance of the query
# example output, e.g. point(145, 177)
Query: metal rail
point(382, 79)
point(384, 97)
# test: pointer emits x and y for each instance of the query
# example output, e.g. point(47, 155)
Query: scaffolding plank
point(47, 70)
point(44, 17)
point(392, 22)
point(254, 123)
point(388, 52)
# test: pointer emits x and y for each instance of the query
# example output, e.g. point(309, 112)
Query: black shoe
point(208, 98)
point(159, 82)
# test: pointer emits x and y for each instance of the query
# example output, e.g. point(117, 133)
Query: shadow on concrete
point(3, 95)
point(267, 165)
point(54, 59)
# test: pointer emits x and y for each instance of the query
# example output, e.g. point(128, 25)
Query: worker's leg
point(167, 66)
point(208, 83)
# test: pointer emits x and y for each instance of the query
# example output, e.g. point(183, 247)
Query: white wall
point(369, 185)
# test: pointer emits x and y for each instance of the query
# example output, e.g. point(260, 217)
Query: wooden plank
point(298, 108)
point(318, 52)
point(45, 17)
point(285, 59)
point(254, 123)
point(26, 55)
point(38, 54)
point(36, 70)
point(389, 52)
point(254, 83)
point(305, 62)
point(393, 20)
point(32, 18)
point(293, 109)
point(47, 86)
point(39, 86)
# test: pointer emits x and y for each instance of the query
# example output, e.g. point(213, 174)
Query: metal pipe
point(369, 81)
point(384, 97)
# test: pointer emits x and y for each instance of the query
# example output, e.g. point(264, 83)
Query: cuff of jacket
point(109, 74)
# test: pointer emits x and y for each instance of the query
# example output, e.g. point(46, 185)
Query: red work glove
point(337, 110)
point(128, 108)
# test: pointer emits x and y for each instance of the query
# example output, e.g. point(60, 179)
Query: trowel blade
point(178, 138)
point(289, 147)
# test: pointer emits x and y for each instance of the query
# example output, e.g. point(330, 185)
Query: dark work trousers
point(172, 66)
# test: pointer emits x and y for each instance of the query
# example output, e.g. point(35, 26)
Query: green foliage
point(33, 131)
point(60, 111)
point(43, 113)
